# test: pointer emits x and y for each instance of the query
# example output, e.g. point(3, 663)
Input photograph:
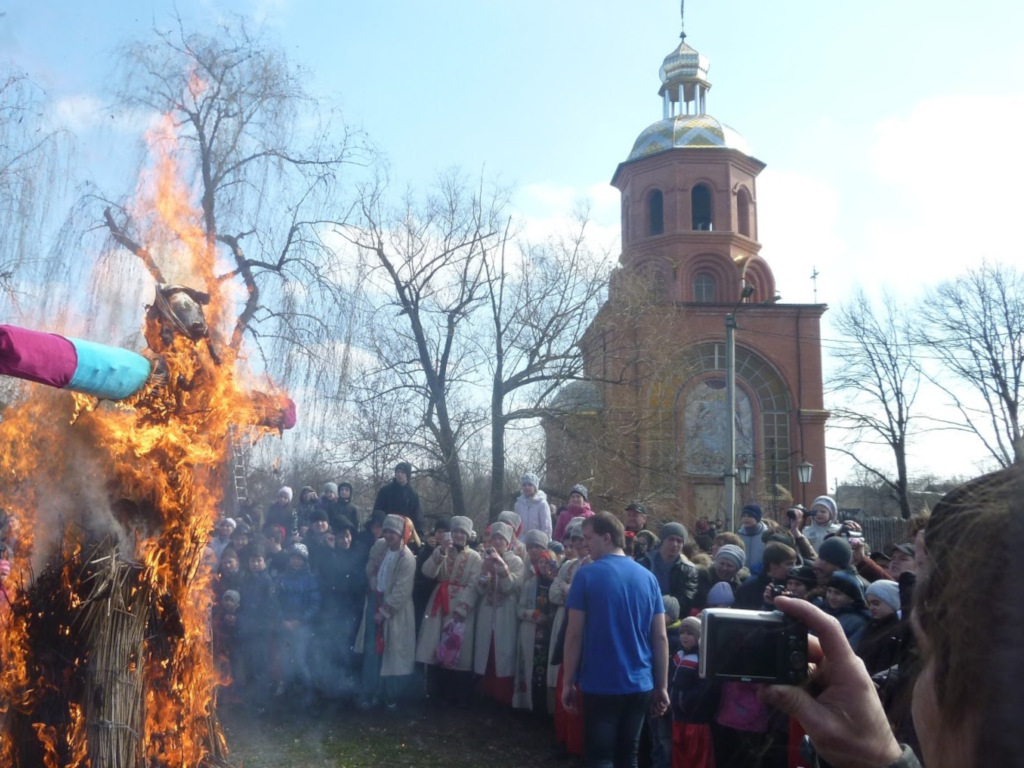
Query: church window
point(655, 213)
point(700, 204)
point(743, 213)
point(704, 288)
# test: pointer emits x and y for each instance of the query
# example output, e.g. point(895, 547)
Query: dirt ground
point(418, 736)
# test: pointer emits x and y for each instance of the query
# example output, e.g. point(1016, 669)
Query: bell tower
point(656, 354)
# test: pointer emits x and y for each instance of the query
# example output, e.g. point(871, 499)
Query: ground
point(419, 737)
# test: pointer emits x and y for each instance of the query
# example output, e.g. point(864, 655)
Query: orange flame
point(166, 450)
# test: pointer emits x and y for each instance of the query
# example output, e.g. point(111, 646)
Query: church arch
point(655, 212)
point(702, 207)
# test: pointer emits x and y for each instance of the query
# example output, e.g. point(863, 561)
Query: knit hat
point(575, 528)
point(829, 503)
point(536, 538)
point(752, 510)
point(512, 520)
point(580, 489)
point(464, 524)
point(285, 491)
point(671, 608)
point(228, 521)
point(836, 550)
point(733, 553)
point(804, 574)
point(673, 529)
point(691, 624)
point(331, 488)
point(529, 478)
point(721, 595)
point(848, 584)
point(317, 514)
point(299, 550)
point(887, 591)
point(404, 467)
point(556, 547)
point(502, 531)
point(231, 595)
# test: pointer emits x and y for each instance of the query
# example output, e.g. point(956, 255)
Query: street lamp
point(804, 470)
point(743, 473)
point(730, 408)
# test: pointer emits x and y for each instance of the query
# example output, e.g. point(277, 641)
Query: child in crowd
point(257, 619)
point(844, 599)
point(694, 702)
point(298, 594)
point(225, 638)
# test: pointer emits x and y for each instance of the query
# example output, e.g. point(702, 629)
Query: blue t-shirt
point(620, 598)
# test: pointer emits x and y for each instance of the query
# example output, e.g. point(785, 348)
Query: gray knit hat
point(887, 591)
point(580, 489)
point(575, 528)
point(733, 553)
point(673, 529)
point(331, 488)
point(299, 550)
point(512, 520)
point(529, 478)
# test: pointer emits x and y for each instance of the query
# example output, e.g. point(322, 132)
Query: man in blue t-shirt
point(616, 649)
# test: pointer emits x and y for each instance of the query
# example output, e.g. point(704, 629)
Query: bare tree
point(429, 281)
point(878, 378)
point(34, 169)
point(266, 164)
point(542, 298)
point(974, 328)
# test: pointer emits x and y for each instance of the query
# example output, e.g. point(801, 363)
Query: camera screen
point(747, 648)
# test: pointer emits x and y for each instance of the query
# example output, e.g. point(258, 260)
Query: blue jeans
point(611, 728)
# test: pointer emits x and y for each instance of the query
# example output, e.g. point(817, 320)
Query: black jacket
point(682, 581)
point(398, 499)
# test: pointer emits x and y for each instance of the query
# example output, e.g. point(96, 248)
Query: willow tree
point(267, 165)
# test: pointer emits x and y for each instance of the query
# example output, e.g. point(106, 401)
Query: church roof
point(577, 397)
point(686, 132)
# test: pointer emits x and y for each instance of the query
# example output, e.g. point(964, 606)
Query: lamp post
point(804, 470)
point(730, 409)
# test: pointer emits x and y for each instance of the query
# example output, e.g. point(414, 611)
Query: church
point(651, 420)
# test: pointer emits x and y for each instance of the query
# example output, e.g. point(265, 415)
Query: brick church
point(650, 423)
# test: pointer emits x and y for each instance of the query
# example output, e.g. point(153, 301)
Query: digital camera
point(752, 646)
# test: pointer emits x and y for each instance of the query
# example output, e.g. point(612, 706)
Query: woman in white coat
point(387, 635)
point(496, 638)
point(535, 613)
point(455, 566)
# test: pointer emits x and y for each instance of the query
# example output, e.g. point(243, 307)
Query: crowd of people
point(313, 605)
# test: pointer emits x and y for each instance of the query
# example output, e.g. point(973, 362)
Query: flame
point(165, 449)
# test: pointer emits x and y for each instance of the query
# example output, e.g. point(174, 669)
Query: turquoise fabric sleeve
point(110, 373)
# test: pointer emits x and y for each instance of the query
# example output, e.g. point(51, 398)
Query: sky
point(891, 130)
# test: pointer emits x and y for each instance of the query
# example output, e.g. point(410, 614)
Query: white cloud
point(798, 224)
point(83, 112)
point(948, 177)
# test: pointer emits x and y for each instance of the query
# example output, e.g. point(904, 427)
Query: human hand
point(569, 697)
point(659, 702)
point(379, 618)
point(796, 519)
point(847, 696)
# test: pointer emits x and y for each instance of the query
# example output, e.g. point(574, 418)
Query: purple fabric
point(45, 358)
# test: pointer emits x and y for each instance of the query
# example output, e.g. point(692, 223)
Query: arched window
point(704, 288)
point(743, 213)
point(655, 213)
point(700, 205)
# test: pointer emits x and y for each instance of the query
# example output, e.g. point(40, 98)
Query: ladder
point(239, 463)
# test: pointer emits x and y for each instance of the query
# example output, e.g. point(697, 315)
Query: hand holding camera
point(846, 696)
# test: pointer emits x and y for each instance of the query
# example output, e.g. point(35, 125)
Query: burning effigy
point(112, 475)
